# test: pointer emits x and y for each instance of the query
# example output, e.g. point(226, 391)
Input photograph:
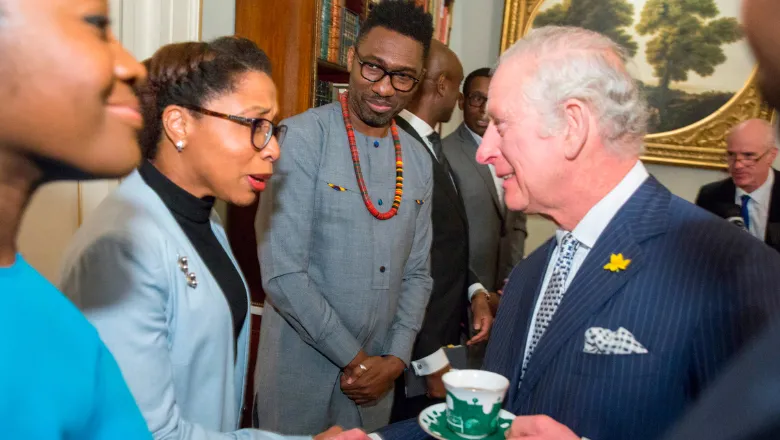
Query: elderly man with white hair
point(752, 192)
point(615, 325)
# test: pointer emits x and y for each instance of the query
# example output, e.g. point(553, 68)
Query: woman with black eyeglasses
point(152, 268)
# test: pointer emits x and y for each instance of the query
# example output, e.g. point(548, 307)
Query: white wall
point(219, 19)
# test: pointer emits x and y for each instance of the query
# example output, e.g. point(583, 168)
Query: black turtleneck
point(193, 215)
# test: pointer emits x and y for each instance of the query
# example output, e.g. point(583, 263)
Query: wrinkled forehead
point(506, 87)
point(751, 139)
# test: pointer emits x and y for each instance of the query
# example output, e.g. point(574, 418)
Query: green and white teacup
point(474, 399)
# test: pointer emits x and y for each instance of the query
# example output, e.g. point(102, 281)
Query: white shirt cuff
point(374, 436)
point(474, 288)
point(431, 363)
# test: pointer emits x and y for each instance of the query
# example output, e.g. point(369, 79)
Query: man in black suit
point(445, 320)
point(752, 194)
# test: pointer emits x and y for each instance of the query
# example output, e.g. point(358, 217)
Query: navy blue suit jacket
point(696, 290)
point(744, 403)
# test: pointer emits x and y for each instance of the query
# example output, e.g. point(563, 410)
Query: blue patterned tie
point(553, 294)
point(745, 212)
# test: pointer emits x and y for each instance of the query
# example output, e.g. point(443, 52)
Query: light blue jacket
point(174, 342)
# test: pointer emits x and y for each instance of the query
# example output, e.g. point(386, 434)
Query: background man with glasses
point(344, 235)
point(496, 235)
point(752, 190)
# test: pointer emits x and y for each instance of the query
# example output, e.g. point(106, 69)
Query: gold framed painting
point(689, 58)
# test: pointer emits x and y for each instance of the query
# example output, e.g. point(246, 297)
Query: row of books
point(441, 10)
point(339, 29)
point(326, 92)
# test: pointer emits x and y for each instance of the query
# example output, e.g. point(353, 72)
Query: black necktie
point(438, 151)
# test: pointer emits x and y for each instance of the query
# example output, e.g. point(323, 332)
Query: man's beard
point(367, 115)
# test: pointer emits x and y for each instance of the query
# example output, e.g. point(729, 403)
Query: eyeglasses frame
point(254, 123)
point(745, 160)
point(468, 100)
point(385, 73)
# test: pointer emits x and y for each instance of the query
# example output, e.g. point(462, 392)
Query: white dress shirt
point(438, 360)
point(588, 230)
point(758, 207)
point(496, 180)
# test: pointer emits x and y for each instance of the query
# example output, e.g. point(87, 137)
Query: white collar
point(596, 220)
point(476, 137)
point(421, 127)
point(762, 194)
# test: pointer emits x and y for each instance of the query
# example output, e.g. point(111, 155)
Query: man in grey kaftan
point(340, 282)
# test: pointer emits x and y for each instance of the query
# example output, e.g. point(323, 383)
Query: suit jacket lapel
point(774, 200)
point(445, 182)
point(645, 215)
point(469, 147)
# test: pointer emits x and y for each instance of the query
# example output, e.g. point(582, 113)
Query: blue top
point(57, 378)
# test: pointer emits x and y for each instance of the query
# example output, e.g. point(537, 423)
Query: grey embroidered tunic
point(337, 279)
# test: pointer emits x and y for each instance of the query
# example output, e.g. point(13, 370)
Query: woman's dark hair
point(190, 75)
point(404, 17)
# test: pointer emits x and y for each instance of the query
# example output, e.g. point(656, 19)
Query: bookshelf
point(293, 36)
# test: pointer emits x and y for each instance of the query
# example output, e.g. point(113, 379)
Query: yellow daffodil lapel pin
point(617, 263)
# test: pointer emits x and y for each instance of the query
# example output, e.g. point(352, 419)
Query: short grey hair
point(574, 63)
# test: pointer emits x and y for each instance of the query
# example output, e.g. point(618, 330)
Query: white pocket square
point(605, 341)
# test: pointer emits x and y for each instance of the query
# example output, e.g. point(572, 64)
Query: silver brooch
point(191, 280)
point(184, 266)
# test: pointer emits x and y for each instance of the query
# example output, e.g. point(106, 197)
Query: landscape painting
point(689, 56)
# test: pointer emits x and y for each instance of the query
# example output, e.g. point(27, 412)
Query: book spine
point(349, 35)
point(335, 31)
point(344, 40)
point(325, 25)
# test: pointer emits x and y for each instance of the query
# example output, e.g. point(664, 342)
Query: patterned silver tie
point(553, 294)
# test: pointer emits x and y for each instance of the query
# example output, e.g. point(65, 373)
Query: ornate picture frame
point(701, 144)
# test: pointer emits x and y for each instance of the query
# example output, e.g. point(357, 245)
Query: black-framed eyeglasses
point(403, 82)
point(476, 99)
point(746, 158)
point(262, 129)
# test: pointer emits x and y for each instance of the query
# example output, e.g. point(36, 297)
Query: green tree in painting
point(608, 17)
point(687, 37)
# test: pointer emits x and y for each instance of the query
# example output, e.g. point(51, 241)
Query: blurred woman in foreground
point(68, 111)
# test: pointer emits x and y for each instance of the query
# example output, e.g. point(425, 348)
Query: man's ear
point(577, 120)
point(441, 85)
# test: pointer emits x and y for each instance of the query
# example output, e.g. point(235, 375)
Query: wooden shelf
point(328, 67)
point(330, 72)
